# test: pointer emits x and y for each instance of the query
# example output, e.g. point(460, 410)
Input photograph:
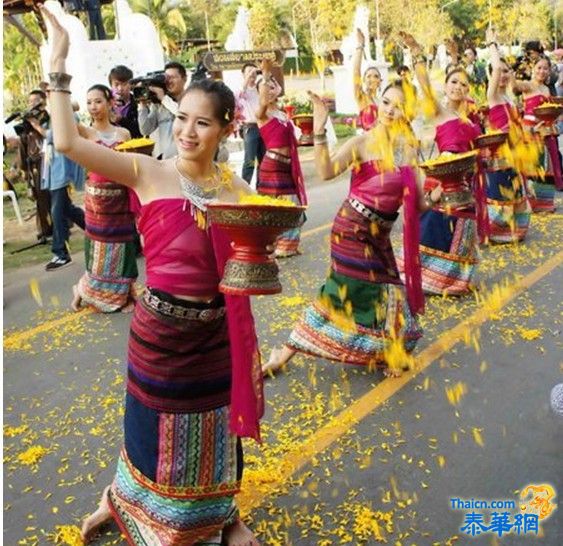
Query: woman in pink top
point(448, 235)
point(361, 314)
point(366, 87)
point(547, 173)
point(280, 171)
point(507, 204)
point(111, 264)
point(193, 367)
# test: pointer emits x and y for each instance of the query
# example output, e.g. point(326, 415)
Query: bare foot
point(76, 299)
point(388, 372)
point(238, 534)
point(278, 359)
point(92, 524)
point(128, 308)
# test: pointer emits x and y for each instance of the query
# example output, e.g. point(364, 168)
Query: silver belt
point(179, 311)
point(367, 212)
point(278, 157)
point(104, 192)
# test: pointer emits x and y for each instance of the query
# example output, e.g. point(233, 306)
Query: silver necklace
point(194, 193)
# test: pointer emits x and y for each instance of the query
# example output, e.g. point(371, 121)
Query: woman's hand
point(451, 47)
point(58, 38)
point(409, 41)
point(266, 66)
point(436, 194)
point(490, 36)
point(360, 38)
point(320, 113)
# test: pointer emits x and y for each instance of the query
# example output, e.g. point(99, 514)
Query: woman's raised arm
point(331, 165)
point(123, 168)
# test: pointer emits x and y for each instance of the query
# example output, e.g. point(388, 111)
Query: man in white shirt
point(161, 116)
point(249, 102)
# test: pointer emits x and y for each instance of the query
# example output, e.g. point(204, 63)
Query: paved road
point(343, 447)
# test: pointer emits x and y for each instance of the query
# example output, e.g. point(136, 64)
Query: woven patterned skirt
point(542, 186)
point(448, 253)
point(276, 180)
point(508, 208)
point(178, 470)
point(111, 266)
point(361, 309)
point(542, 198)
point(359, 330)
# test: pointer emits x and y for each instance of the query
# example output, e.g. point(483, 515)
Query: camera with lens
point(140, 86)
point(24, 127)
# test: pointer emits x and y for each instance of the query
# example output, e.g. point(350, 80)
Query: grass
point(36, 255)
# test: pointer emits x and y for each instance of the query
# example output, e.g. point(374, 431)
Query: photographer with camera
point(124, 104)
point(158, 98)
point(31, 129)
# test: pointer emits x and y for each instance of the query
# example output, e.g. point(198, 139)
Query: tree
point(528, 20)
point(22, 66)
point(424, 19)
point(264, 24)
point(169, 21)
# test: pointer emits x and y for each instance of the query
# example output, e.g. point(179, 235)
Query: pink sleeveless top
point(456, 135)
point(529, 104)
point(501, 115)
point(368, 117)
point(183, 259)
point(179, 255)
point(386, 192)
point(280, 134)
point(379, 191)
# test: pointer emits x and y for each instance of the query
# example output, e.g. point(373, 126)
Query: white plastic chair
point(14, 199)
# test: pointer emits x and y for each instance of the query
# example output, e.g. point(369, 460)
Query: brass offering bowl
point(252, 270)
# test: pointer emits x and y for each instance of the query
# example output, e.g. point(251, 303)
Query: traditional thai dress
point(193, 387)
point(280, 175)
point(507, 203)
point(361, 309)
point(548, 174)
point(448, 240)
point(368, 116)
point(111, 265)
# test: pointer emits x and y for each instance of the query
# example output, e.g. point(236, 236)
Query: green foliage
point(343, 130)
point(22, 66)
point(169, 21)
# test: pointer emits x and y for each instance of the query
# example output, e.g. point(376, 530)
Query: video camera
point(37, 112)
point(140, 85)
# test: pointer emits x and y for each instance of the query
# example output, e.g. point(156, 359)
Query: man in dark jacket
point(125, 109)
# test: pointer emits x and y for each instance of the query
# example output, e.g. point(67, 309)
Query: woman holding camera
point(193, 382)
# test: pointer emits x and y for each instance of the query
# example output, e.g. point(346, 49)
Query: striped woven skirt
point(448, 253)
point(180, 468)
point(508, 208)
point(361, 311)
point(542, 186)
point(111, 266)
point(276, 179)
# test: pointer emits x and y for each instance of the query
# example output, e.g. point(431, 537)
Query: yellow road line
point(298, 457)
point(315, 230)
point(26, 335)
